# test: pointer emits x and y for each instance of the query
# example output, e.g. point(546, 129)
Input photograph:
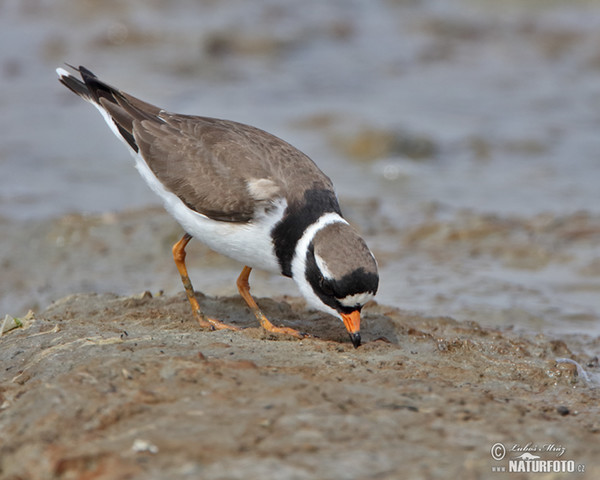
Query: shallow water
point(490, 110)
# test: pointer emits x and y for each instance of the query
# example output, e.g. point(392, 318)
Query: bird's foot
point(288, 331)
point(212, 323)
point(269, 327)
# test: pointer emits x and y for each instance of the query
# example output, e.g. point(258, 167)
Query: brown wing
point(219, 168)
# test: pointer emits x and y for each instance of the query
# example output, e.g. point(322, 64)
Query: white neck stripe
point(299, 259)
point(311, 231)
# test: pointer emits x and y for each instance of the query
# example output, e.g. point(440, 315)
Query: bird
point(246, 194)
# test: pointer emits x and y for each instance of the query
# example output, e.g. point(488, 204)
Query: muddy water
point(462, 137)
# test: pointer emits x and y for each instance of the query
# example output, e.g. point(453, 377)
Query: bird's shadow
point(292, 312)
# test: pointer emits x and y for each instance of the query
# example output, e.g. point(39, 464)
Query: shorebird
point(246, 194)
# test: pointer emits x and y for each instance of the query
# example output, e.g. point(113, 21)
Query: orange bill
point(352, 323)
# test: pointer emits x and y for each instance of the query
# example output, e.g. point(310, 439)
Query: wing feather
point(224, 170)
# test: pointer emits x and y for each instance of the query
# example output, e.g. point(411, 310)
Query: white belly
point(248, 243)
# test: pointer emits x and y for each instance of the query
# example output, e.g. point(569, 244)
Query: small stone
point(563, 410)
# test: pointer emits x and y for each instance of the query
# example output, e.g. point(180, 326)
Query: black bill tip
point(355, 337)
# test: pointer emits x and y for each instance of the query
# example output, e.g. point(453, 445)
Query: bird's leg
point(244, 289)
point(203, 320)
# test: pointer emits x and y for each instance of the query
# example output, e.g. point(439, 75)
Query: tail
point(74, 84)
point(119, 109)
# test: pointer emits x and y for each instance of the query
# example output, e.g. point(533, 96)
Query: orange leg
point(244, 289)
point(203, 320)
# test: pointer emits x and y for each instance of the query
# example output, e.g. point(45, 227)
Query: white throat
point(299, 260)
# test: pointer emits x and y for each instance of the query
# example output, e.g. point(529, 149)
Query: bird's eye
point(325, 287)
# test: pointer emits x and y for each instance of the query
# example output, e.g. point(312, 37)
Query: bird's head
point(337, 273)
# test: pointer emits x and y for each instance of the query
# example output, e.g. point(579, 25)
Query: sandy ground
point(100, 386)
point(108, 387)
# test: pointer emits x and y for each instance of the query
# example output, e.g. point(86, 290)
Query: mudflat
point(112, 387)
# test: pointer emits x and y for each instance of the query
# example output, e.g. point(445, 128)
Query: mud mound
point(109, 387)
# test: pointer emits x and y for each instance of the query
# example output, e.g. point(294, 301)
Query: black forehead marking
point(358, 281)
point(296, 219)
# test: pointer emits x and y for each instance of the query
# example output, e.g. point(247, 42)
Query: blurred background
point(462, 137)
